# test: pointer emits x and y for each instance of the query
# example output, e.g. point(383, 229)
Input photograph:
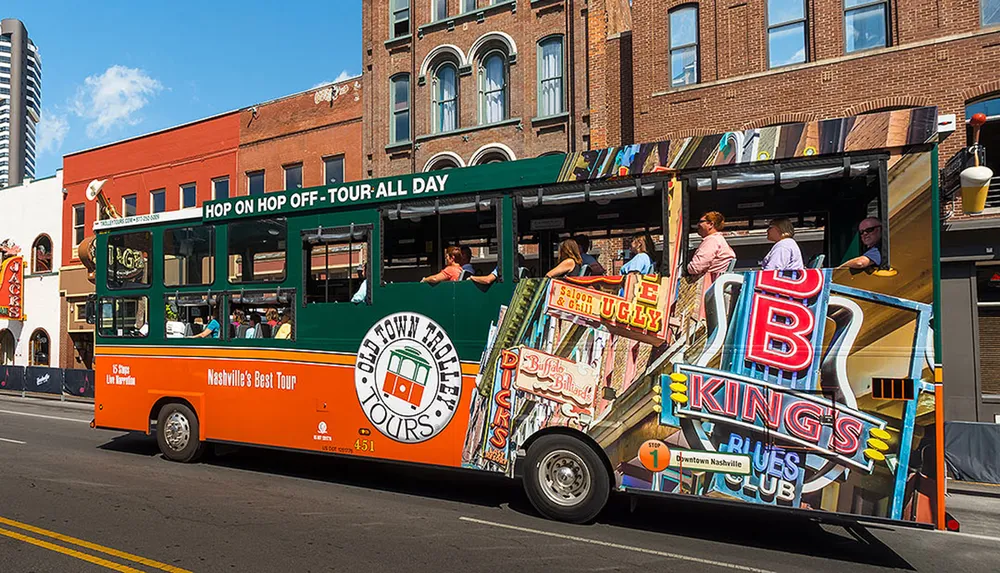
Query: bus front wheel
point(565, 479)
point(177, 433)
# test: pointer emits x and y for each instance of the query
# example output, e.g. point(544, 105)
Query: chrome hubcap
point(177, 431)
point(564, 477)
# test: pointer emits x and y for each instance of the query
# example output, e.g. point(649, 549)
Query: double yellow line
point(84, 544)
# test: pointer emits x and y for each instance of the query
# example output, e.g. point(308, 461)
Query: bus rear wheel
point(565, 479)
point(177, 433)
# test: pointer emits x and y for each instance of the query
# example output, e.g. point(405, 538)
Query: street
point(77, 499)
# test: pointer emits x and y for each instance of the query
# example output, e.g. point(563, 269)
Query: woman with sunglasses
point(870, 230)
point(714, 253)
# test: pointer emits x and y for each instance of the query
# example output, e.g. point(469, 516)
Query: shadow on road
point(727, 523)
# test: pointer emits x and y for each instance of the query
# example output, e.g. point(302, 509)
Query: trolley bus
point(300, 320)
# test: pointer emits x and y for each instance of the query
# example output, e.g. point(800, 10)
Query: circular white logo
point(408, 377)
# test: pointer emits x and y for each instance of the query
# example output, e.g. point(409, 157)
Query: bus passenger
point(467, 260)
point(285, 330)
point(569, 259)
point(642, 261)
point(714, 253)
point(211, 329)
point(452, 270)
point(487, 280)
point(254, 331)
point(595, 266)
point(785, 255)
point(871, 237)
point(362, 293)
point(272, 317)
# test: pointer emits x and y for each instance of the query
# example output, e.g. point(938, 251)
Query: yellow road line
point(89, 545)
point(71, 552)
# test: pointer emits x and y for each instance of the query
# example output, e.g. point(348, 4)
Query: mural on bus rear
point(756, 386)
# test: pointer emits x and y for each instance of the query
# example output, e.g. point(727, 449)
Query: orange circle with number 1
point(654, 455)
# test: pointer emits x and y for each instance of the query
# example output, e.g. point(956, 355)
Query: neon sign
point(638, 315)
point(11, 293)
point(500, 409)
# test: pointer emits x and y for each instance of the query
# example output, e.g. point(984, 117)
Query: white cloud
point(344, 75)
point(52, 129)
point(114, 98)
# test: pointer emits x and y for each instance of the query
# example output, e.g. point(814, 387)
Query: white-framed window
point(399, 19)
point(158, 200)
point(255, 182)
point(683, 28)
point(189, 195)
point(293, 176)
point(399, 128)
point(440, 9)
point(333, 170)
point(129, 205)
point(41, 255)
point(493, 87)
point(550, 77)
point(445, 98)
point(989, 11)
point(866, 24)
point(468, 5)
point(79, 223)
point(786, 33)
point(220, 188)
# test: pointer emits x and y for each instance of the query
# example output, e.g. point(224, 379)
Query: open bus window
point(188, 314)
point(748, 237)
point(262, 314)
point(416, 234)
point(257, 250)
point(123, 317)
point(189, 256)
point(601, 221)
point(128, 260)
point(336, 264)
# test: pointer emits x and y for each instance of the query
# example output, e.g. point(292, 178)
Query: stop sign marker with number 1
point(654, 455)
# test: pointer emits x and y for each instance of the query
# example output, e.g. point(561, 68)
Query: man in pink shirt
point(714, 253)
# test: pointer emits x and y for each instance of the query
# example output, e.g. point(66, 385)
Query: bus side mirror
point(91, 309)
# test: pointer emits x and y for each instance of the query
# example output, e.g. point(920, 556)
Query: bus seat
point(265, 330)
point(522, 272)
point(465, 275)
point(583, 271)
point(187, 329)
point(816, 261)
point(731, 266)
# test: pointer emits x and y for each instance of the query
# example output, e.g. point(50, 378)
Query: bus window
point(748, 237)
point(128, 260)
point(187, 314)
point(123, 317)
point(257, 250)
point(336, 263)
point(603, 222)
point(262, 314)
point(416, 234)
point(189, 256)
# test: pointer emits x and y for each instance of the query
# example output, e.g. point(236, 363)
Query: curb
point(973, 488)
point(50, 401)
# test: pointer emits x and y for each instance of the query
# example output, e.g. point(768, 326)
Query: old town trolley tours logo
point(408, 377)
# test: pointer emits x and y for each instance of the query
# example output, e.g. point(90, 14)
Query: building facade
point(716, 65)
point(32, 230)
point(20, 102)
point(302, 140)
point(177, 168)
point(451, 83)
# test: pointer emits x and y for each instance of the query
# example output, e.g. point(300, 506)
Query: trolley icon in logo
point(406, 376)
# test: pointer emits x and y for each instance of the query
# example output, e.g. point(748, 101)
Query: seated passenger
point(254, 330)
point(285, 330)
point(785, 255)
point(642, 261)
point(467, 260)
point(362, 293)
point(272, 317)
point(491, 278)
point(714, 253)
point(871, 237)
point(452, 270)
point(595, 266)
point(569, 259)
point(212, 329)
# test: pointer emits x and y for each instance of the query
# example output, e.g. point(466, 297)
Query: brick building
point(307, 139)
point(179, 167)
point(462, 82)
point(720, 65)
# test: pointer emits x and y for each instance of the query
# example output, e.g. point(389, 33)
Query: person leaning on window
point(714, 253)
point(452, 270)
point(569, 259)
point(785, 255)
point(642, 261)
point(871, 237)
point(211, 329)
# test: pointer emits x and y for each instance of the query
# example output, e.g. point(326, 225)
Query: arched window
point(683, 28)
point(41, 255)
point(39, 348)
point(493, 87)
point(7, 344)
point(444, 160)
point(492, 153)
point(445, 98)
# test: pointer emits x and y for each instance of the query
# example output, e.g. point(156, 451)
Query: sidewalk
point(973, 488)
point(52, 401)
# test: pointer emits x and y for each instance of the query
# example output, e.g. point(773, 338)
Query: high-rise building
point(20, 102)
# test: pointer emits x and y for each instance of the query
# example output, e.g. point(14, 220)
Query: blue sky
point(113, 69)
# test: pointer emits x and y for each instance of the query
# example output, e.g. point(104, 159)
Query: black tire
point(568, 501)
point(179, 417)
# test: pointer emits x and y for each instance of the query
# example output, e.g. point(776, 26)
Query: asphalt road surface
point(76, 499)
